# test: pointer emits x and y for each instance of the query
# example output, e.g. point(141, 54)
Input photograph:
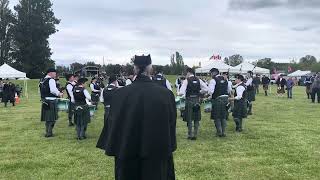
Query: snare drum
point(207, 106)
point(92, 109)
point(180, 103)
point(63, 104)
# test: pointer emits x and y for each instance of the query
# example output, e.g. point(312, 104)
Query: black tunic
point(9, 91)
point(141, 126)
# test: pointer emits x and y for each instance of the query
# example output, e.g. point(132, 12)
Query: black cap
point(142, 60)
point(82, 80)
point(51, 70)
point(225, 73)
point(190, 70)
point(112, 78)
point(68, 76)
point(250, 72)
point(214, 71)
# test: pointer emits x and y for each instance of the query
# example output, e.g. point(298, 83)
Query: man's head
point(190, 72)
point(70, 77)
point(214, 72)
point(94, 79)
point(142, 65)
point(52, 72)
point(225, 75)
point(113, 79)
point(82, 81)
point(250, 74)
point(239, 78)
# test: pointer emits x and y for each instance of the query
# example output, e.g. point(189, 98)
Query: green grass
point(280, 141)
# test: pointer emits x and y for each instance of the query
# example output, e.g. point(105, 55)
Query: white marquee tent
point(245, 67)
point(220, 65)
point(7, 71)
point(299, 73)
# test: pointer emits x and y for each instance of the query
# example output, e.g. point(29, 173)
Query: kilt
point(240, 109)
point(265, 87)
point(95, 97)
point(49, 110)
point(281, 90)
point(251, 96)
point(81, 114)
point(190, 114)
point(219, 108)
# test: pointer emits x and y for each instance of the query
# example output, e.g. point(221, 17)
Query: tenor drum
point(63, 104)
point(92, 109)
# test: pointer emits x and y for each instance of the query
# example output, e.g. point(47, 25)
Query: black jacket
point(281, 83)
point(141, 123)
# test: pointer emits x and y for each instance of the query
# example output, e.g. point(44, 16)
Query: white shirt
point(93, 89)
point(53, 86)
point(70, 91)
point(168, 84)
point(86, 94)
point(183, 89)
point(239, 90)
point(229, 87)
point(249, 82)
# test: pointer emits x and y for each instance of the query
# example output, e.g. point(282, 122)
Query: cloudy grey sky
point(117, 30)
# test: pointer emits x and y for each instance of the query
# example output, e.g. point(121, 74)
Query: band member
point(281, 83)
point(256, 83)
point(141, 128)
point(96, 90)
point(49, 92)
point(191, 88)
point(315, 88)
point(1, 88)
point(107, 94)
point(9, 92)
point(250, 91)
point(218, 89)
point(69, 88)
point(240, 103)
point(81, 108)
point(308, 83)
point(265, 84)
point(161, 80)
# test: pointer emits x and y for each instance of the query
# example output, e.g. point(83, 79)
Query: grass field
point(280, 141)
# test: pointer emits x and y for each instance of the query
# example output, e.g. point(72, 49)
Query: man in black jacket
point(265, 84)
point(141, 128)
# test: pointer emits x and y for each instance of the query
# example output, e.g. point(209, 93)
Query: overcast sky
point(117, 30)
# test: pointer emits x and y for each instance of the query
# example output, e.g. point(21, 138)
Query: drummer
point(81, 108)
point(219, 91)
point(49, 91)
point(96, 90)
point(69, 88)
point(107, 94)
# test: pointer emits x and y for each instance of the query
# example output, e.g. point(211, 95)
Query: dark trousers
point(70, 112)
point(221, 125)
point(49, 127)
point(315, 92)
point(81, 129)
point(238, 122)
point(256, 88)
point(144, 169)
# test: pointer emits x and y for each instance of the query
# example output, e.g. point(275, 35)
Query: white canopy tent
point(245, 67)
point(299, 73)
point(220, 65)
point(8, 72)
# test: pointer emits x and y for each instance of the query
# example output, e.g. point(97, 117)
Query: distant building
point(88, 71)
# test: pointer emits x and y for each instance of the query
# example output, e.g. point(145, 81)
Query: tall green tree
point(177, 63)
point(234, 60)
point(266, 63)
point(6, 22)
point(35, 23)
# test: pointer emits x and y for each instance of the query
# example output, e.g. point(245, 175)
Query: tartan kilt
point(49, 110)
point(251, 96)
point(189, 113)
point(95, 97)
point(219, 108)
point(240, 109)
point(81, 114)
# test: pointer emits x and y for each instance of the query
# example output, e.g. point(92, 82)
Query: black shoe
point(194, 138)
point(249, 113)
point(189, 138)
point(71, 124)
point(80, 138)
point(223, 135)
point(240, 130)
point(84, 137)
point(46, 135)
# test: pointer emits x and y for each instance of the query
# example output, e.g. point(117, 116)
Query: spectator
point(290, 84)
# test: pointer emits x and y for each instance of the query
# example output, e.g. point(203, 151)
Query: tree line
point(24, 35)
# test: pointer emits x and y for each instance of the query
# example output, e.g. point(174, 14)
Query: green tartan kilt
point(251, 96)
point(49, 110)
point(190, 114)
point(81, 114)
point(219, 108)
point(240, 109)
